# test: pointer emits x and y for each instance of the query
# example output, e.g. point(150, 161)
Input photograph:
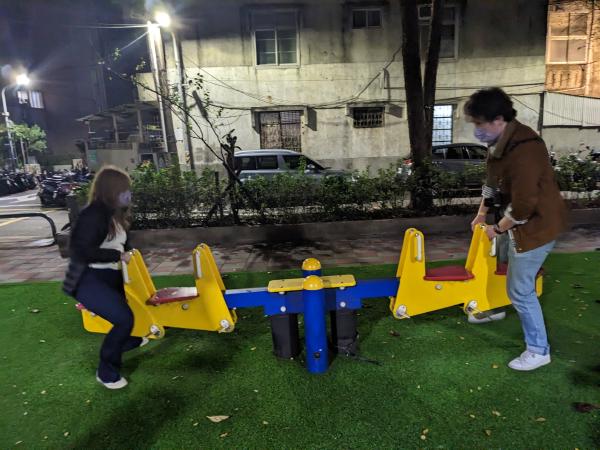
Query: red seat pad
point(448, 273)
point(169, 295)
point(502, 269)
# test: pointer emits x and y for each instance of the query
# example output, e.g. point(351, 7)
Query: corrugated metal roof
point(571, 110)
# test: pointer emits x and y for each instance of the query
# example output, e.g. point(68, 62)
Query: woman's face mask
point(124, 199)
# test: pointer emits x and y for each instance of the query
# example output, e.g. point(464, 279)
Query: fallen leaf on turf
point(42, 341)
point(488, 432)
point(540, 419)
point(43, 392)
point(585, 407)
point(217, 419)
point(265, 422)
point(496, 413)
point(253, 348)
point(66, 433)
point(223, 435)
point(18, 442)
point(494, 366)
point(425, 431)
point(576, 286)
point(461, 338)
point(195, 424)
point(394, 333)
point(423, 437)
point(35, 311)
point(472, 416)
point(256, 390)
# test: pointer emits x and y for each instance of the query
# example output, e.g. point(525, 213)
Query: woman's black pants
point(101, 291)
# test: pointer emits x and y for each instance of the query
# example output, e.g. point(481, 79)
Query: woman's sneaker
point(119, 384)
point(486, 317)
point(529, 361)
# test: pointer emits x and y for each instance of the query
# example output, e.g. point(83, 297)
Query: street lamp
point(21, 80)
point(163, 19)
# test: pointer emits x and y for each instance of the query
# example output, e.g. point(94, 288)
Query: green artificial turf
point(441, 382)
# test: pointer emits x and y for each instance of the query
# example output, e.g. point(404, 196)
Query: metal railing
point(34, 214)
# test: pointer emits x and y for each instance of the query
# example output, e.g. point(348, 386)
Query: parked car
point(268, 163)
point(452, 158)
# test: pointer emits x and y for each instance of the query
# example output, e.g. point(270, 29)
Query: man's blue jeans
point(520, 285)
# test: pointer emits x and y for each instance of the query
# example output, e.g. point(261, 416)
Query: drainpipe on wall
point(541, 115)
point(590, 66)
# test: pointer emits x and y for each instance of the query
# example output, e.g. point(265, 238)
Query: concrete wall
point(339, 66)
point(126, 159)
point(566, 140)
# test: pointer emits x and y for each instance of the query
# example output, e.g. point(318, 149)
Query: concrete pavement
point(43, 264)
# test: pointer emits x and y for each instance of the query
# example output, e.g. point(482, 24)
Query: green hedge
point(169, 198)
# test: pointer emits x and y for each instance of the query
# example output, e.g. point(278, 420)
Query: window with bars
point(36, 100)
point(366, 18)
point(276, 37)
point(368, 117)
point(280, 129)
point(448, 47)
point(442, 124)
point(568, 38)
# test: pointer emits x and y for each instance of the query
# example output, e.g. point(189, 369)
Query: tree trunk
point(420, 98)
point(411, 59)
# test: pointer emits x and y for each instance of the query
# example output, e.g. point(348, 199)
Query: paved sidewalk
point(43, 264)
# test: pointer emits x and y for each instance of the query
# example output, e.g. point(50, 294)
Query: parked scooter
point(54, 188)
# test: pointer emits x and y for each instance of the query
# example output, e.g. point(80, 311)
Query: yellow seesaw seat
point(479, 285)
point(202, 307)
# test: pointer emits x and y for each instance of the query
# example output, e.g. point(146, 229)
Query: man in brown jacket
point(521, 183)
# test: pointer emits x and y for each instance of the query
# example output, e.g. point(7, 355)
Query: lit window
point(276, 37)
point(36, 100)
point(366, 18)
point(448, 47)
point(568, 37)
point(442, 124)
point(23, 97)
point(368, 117)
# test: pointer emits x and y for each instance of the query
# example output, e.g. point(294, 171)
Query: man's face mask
point(489, 137)
point(124, 199)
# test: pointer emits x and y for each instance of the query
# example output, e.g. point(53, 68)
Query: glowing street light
point(163, 19)
point(20, 80)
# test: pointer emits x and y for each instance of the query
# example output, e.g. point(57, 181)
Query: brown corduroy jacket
point(518, 167)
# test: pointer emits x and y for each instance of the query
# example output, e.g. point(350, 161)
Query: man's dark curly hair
point(487, 104)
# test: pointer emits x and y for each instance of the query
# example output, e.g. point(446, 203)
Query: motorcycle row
point(55, 187)
point(14, 182)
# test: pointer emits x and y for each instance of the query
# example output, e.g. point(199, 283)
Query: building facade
point(325, 77)
point(573, 47)
point(61, 45)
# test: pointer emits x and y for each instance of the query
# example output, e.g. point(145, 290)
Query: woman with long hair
point(98, 246)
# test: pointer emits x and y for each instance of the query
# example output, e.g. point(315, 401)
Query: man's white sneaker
point(529, 361)
point(119, 384)
point(145, 340)
point(486, 318)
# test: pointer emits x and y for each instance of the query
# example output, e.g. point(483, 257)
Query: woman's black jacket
point(87, 235)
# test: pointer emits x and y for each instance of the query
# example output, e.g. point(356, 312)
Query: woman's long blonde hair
point(109, 182)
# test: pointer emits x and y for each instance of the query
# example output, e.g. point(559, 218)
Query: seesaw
point(478, 286)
